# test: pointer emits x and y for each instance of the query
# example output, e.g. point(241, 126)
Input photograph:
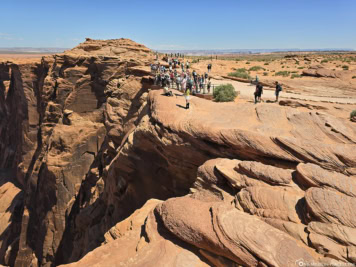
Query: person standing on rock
point(209, 68)
point(278, 90)
point(201, 85)
point(209, 85)
point(258, 92)
point(190, 84)
point(195, 77)
point(184, 83)
point(187, 98)
point(171, 75)
point(178, 81)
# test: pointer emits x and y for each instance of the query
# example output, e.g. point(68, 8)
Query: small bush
point(241, 70)
point(282, 67)
point(345, 67)
point(247, 62)
point(256, 68)
point(353, 114)
point(294, 71)
point(224, 93)
point(266, 64)
point(353, 77)
point(300, 68)
point(265, 74)
point(240, 73)
point(324, 61)
point(283, 73)
point(195, 61)
point(295, 75)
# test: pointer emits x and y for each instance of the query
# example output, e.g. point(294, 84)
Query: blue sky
point(209, 24)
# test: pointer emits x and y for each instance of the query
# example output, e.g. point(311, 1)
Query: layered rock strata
point(100, 170)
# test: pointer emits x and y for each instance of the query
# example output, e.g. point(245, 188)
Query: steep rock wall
point(86, 143)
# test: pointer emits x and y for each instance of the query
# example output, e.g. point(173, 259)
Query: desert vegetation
point(353, 115)
point(240, 73)
point(283, 73)
point(224, 93)
point(256, 68)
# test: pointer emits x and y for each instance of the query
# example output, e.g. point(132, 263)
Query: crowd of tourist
point(178, 75)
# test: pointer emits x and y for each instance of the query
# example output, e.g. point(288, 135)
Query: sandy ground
point(312, 86)
point(22, 58)
point(246, 90)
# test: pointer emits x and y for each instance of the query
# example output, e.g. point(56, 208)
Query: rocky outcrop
point(311, 175)
point(52, 129)
point(319, 71)
point(238, 184)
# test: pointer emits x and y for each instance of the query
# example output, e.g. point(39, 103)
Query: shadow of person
point(181, 106)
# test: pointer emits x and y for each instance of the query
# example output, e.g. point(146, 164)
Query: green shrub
point(345, 67)
point(295, 75)
point(240, 73)
point(324, 61)
point(353, 114)
point(224, 93)
point(256, 68)
point(247, 62)
point(294, 71)
point(266, 64)
point(195, 61)
point(353, 77)
point(300, 68)
point(282, 67)
point(283, 73)
point(265, 74)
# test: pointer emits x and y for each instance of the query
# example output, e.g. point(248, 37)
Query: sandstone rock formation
point(320, 72)
point(88, 149)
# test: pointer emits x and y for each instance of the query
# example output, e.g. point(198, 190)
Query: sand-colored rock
point(331, 207)
point(11, 202)
point(311, 175)
point(88, 143)
point(272, 202)
point(268, 174)
point(228, 168)
point(132, 223)
point(230, 233)
point(343, 234)
point(144, 243)
point(319, 71)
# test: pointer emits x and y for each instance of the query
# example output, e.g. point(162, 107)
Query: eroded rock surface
point(86, 144)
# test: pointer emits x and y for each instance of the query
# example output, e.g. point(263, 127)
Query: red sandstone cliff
point(85, 144)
